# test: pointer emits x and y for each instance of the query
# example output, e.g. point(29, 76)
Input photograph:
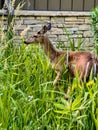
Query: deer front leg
point(57, 77)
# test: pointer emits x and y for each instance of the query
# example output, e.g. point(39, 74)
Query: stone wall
point(77, 25)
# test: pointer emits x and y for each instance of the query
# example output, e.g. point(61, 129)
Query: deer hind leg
point(57, 77)
point(87, 70)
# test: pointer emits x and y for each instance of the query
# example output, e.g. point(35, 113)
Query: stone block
point(19, 27)
point(53, 38)
point(84, 27)
point(88, 42)
point(72, 29)
point(62, 38)
point(31, 21)
point(57, 19)
point(57, 31)
point(43, 18)
point(87, 34)
point(18, 21)
point(70, 19)
point(87, 20)
point(80, 18)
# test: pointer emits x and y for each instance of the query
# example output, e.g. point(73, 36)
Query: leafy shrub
point(94, 22)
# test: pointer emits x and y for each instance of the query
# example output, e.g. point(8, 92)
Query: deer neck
point(49, 49)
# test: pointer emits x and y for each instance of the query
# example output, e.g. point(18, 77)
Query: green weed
point(28, 99)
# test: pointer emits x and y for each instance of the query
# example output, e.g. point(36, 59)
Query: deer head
point(39, 36)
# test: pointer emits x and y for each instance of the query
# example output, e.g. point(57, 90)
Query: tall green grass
point(94, 25)
point(28, 99)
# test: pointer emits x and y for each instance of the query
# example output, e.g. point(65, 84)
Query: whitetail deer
point(82, 62)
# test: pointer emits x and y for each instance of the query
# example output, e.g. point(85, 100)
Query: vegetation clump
point(28, 99)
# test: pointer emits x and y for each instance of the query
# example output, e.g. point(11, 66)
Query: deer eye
point(39, 32)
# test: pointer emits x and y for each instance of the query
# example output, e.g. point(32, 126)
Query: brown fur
point(79, 61)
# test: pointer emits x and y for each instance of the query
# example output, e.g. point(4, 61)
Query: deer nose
point(26, 42)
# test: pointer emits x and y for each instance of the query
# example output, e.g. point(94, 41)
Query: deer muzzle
point(26, 42)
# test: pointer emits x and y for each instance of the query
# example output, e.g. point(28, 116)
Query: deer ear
point(46, 27)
